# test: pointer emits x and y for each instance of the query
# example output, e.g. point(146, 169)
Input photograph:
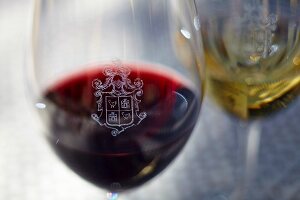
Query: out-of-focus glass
point(251, 53)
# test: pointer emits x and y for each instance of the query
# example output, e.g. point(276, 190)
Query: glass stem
point(249, 140)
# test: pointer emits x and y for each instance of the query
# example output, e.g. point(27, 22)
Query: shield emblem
point(119, 110)
point(118, 100)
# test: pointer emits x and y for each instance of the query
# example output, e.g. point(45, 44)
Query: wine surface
point(119, 126)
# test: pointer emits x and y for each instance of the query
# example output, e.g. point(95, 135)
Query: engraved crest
point(118, 100)
point(257, 32)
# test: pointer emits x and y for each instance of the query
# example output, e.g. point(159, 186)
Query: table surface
point(207, 169)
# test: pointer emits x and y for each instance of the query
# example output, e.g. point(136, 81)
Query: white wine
point(248, 100)
point(252, 55)
point(253, 64)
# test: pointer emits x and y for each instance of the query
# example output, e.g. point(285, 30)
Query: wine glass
point(251, 50)
point(116, 104)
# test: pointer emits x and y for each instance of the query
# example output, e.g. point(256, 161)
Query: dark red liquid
point(157, 123)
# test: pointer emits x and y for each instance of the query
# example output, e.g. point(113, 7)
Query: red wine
point(117, 127)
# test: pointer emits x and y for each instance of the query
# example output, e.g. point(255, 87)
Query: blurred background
point(207, 169)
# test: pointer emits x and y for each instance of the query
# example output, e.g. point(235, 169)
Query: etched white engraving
point(118, 100)
point(112, 104)
point(256, 28)
point(112, 118)
point(125, 103)
point(126, 115)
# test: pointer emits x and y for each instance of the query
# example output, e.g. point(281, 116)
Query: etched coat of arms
point(118, 100)
point(257, 32)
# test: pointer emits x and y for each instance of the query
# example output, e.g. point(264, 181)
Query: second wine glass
point(251, 50)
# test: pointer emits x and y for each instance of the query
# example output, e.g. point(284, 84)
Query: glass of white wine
point(252, 54)
point(252, 60)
